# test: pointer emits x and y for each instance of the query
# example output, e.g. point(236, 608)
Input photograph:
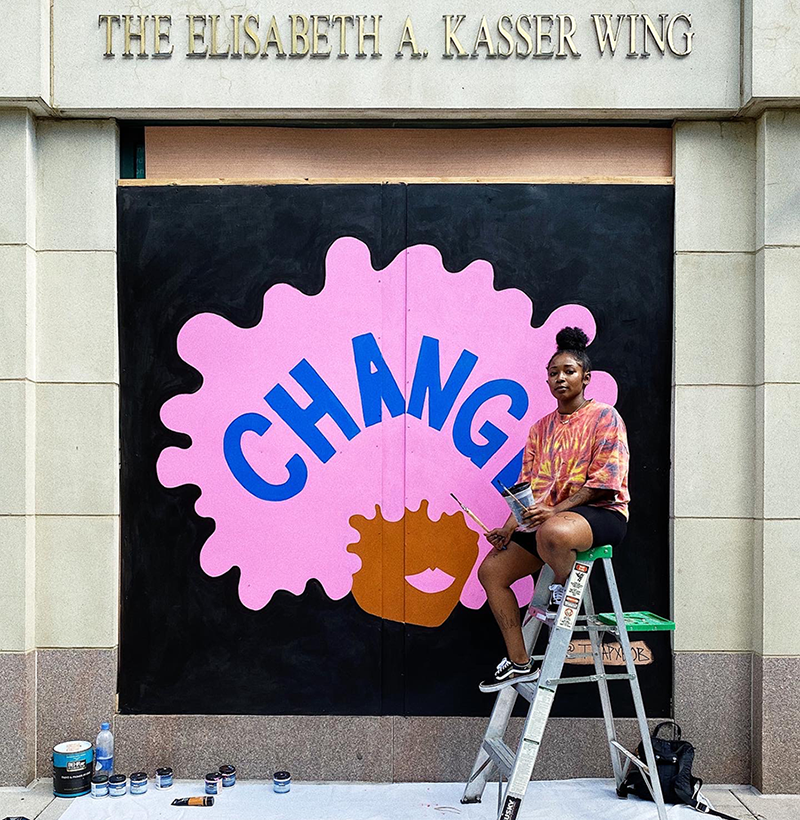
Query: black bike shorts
point(608, 527)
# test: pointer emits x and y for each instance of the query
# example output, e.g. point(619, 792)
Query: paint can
point(100, 785)
point(117, 785)
point(213, 780)
point(72, 768)
point(138, 782)
point(228, 776)
point(164, 778)
point(519, 497)
point(281, 782)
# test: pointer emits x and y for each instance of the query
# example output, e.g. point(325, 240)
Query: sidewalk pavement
point(742, 802)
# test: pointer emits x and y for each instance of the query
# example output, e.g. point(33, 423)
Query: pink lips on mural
point(430, 580)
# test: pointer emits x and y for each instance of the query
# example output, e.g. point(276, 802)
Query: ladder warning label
point(529, 748)
point(526, 760)
point(569, 613)
point(540, 713)
point(572, 599)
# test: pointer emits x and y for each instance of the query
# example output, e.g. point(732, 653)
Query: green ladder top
point(594, 553)
point(634, 621)
point(639, 621)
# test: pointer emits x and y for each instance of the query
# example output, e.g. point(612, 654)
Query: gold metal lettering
point(374, 35)
point(565, 37)
point(214, 51)
point(251, 35)
point(483, 38)
point(450, 37)
point(126, 20)
point(525, 33)
point(159, 35)
point(273, 39)
point(342, 20)
point(632, 38)
point(110, 19)
point(607, 35)
point(650, 29)
point(236, 48)
point(299, 33)
point(687, 35)
point(195, 36)
point(317, 36)
point(407, 39)
point(542, 35)
point(505, 34)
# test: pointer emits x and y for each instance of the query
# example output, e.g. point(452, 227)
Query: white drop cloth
point(546, 800)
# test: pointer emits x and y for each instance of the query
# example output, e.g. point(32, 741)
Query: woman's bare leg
point(498, 571)
point(559, 538)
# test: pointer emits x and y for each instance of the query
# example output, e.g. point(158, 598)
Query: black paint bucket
point(72, 768)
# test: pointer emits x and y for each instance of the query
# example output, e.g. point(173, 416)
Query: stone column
point(17, 446)
point(776, 668)
point(77, 440)
point(714, 442)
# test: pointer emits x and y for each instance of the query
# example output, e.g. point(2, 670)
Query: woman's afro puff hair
point(574, 341)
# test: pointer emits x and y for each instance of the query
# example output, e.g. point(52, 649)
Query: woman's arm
point(583, 496)
point(539, 513)
point(500, 537)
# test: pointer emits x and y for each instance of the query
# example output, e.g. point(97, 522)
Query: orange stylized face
point(413, 570)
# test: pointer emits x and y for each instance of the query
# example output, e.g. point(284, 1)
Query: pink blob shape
point(396, 463)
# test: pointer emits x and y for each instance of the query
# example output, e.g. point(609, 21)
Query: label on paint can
point(72, 768)
point(117, 785)
point(228, 776)
point(164, 778)
point(281, 782)
point(213, 780)
point(100, 785)
point(138, 783)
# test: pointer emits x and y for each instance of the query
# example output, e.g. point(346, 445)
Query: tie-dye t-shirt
point(589, 450)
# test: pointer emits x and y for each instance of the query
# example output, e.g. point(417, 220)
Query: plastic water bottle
point(104, 751)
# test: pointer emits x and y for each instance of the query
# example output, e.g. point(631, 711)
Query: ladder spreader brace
point(495, 754)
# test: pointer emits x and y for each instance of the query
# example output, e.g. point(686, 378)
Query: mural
point(316, 423)
point(307, 373)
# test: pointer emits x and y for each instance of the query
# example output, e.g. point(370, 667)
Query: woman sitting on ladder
point(576, 459)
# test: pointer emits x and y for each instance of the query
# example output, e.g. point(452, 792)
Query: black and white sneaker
point(508, 672)
point(556, 597)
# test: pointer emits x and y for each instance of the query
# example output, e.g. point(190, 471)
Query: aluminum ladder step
point(526, 690)
point(501, 755)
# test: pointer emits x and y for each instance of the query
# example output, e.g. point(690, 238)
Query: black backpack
point(674, 760)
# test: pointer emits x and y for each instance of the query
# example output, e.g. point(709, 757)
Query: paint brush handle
point(505, 489)
point(471, 514)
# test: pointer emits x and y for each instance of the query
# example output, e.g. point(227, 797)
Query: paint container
point(138, 782)
point(100, 785)
point(213, 780)
point(72, 768)
point(281, 782)
point(164, 778)
point(228, 776)
point(521, 497)
point(117, 785)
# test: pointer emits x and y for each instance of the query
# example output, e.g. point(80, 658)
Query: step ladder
point(496, 755)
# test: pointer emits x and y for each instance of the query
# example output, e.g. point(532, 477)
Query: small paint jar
point(164, 778)
point(228, 776)
point(213, 780)
point(281, 782)
point(138, 782)
point(100, 785)
point(117, 785)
